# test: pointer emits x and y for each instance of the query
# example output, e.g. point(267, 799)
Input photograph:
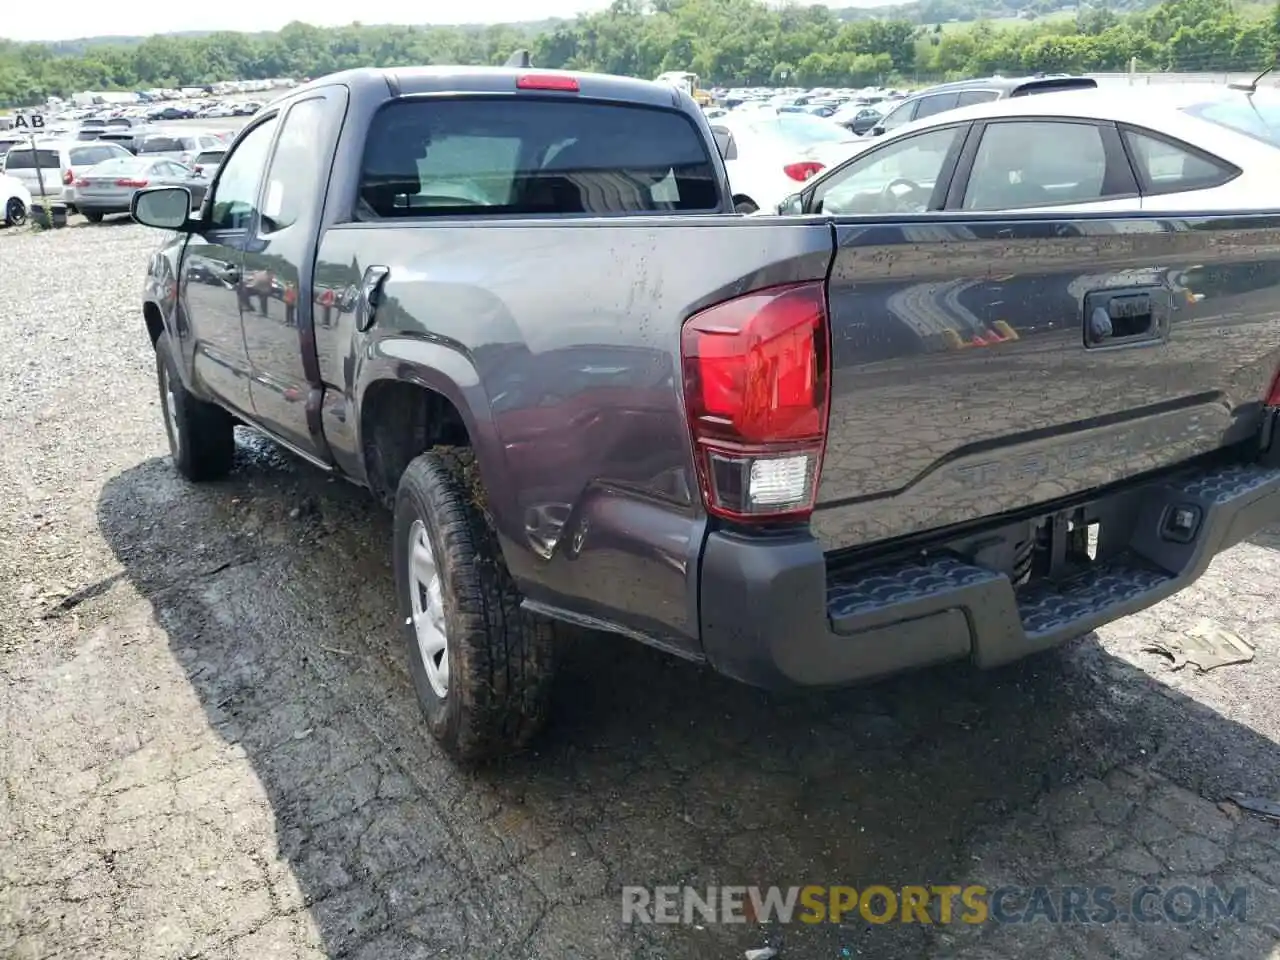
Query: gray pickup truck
point(518, 307)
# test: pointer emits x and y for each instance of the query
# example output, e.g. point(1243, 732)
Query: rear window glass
point(211, 156)
point(1253, 116)
point(800, 131)
point(121, 165)
point(83, 155)
point(450, 158)
point(161, 145)
point(26, 159)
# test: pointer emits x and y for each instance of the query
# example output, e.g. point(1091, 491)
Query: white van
point(60, 164)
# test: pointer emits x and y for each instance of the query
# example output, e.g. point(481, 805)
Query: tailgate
point(982, 365)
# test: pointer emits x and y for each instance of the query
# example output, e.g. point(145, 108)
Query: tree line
point(732, 42)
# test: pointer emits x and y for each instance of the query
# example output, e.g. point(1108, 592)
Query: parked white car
point(1164, 148)
point(60, 162)
point(769, 155)
point(15, 201)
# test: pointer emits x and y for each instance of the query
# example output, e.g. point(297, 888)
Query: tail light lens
point(68, 177)
point(198, 171)
point(131, 183)
point(756, 381)
point(802, 171)
point(1273, 394)
point(82, 182)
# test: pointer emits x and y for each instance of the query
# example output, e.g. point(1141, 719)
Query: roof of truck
point(408, 81)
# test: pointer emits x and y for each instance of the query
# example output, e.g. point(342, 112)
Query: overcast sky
point(34, 21)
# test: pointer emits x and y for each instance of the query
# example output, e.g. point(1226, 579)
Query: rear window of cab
point(524, 156)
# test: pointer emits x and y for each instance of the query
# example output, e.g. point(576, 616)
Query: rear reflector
point(756, 391)
point(802, 171)
point(547, 81)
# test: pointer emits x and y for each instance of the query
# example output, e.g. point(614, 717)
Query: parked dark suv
point(964, 93)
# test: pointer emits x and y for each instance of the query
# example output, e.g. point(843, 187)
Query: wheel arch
point(429, 395)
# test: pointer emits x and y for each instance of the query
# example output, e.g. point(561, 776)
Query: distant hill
point(949, 11)
point(79, 45)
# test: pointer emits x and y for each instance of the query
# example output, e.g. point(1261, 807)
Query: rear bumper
point(772, 616)
point(104, 205)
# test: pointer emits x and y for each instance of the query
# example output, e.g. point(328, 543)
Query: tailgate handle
point(370, 296)
point(1116, 317)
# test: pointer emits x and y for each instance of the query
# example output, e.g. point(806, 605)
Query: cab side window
point(235, 195)
point(291, 182)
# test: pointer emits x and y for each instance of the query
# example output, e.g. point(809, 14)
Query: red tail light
point(1273, 395)
point(131, 183)
point(756, 382)
point(82, 182)
point(547, 81)
point(198, 171)
point(802, 171)
point(68, 177)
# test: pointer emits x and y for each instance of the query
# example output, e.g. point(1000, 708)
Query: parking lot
point(210, 746)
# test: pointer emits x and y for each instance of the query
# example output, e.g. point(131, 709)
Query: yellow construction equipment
point(689, 83)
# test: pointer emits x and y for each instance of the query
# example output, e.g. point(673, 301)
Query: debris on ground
point(1259, 805)
point(1205, 644)
point(763, 953)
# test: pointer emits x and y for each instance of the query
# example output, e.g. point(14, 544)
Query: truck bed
point(579, 398)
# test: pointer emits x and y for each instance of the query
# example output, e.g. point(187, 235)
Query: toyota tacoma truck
point(518, 307)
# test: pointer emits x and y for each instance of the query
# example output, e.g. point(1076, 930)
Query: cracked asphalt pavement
point(210, 747)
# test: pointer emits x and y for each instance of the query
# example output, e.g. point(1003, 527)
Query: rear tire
point(481, 666)
point(201, 435)
point(93, 216)
point(15, 212)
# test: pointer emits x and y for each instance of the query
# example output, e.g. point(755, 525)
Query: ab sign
point(30, 122)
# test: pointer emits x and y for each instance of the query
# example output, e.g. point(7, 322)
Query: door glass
point(235, 195)
point(899, 116)
point(970, 97)
point(1037, 163)
point(938, 103)
point(291, 182)
point(898, 178)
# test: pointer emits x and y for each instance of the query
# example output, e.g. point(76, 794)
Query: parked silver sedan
point(109, 187)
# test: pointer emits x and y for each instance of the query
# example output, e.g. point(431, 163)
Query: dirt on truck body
point(838, 448)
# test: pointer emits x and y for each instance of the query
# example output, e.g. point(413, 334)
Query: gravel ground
point(210, 746)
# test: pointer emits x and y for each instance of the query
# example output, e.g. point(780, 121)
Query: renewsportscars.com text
point(936, 904)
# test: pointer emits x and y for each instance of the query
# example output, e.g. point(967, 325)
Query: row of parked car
point(98, 177)
point(991, 145)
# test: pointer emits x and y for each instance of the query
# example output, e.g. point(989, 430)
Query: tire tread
point(507, 653)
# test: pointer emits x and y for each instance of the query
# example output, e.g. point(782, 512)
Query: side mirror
point(877, 130)
point(725, 143)
point(792, 205)
point(165, 208)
